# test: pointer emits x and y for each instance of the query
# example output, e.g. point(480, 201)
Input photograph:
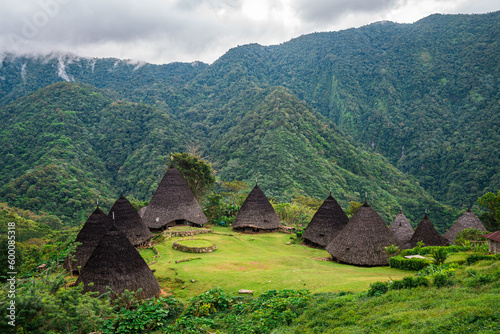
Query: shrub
point(464, 237)
point(447, 268)
point(479, 257)
point(210, 302)
point(441, 280)
point(414, 264)
point(392, 250)
point(377, 289)
point(409, 282)
point(476, 279)
point(150, 315)
point(439, 255)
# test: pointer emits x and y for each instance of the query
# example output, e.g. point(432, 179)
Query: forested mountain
point(67, 145)
point(325, 109)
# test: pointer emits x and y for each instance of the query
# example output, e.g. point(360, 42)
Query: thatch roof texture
point(327, 222)
point(129, 222)
point(426, 233)
point(402, 229)
point(256, 213)
point(173, 201)
point(117, 264)
point(88, 237)
point(363, 239)
point(467, 220)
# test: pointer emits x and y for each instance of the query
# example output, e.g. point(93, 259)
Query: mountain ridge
point(423, 95)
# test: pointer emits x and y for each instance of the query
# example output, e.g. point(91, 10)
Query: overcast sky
point(163, 31)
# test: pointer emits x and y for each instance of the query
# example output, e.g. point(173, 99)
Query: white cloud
point(186, 30)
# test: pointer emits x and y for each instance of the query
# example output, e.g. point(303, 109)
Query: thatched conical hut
point(172, 204)
point(467, 220)
point(363, 239)
point(117, 264)
point(426, 233)
point(402, 229)
point(88, 237)
point(256, 215)
point(327, 222)
point(129, 222)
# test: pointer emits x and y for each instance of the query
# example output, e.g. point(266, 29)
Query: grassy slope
point(422, 310)
point(260, 263)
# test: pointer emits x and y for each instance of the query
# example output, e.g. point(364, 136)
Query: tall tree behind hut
point(198, 173)
point(490, 218)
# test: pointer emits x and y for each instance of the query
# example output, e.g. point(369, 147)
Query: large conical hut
point(402, 229)
point(327, 222)
point(256, 215)
point(129, 222)
point(467, 220)
point(117, 264)
point(172, 204)
point(363, 239)
point(88, 237)
point(426, 233)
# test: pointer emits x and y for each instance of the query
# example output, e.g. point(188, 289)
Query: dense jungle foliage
point(322, 110)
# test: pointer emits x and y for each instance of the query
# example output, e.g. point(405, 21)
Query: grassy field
point(258, 262)
point(195, 242)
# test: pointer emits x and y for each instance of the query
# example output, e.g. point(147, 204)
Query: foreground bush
point(480, 257)
point(414, 264)
point(215, 310)
point(46, 305)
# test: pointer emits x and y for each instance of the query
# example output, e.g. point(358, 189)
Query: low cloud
point(163, 31)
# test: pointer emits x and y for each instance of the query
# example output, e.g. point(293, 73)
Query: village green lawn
point(258, 262)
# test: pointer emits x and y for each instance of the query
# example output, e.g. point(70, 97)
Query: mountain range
point(408, 113)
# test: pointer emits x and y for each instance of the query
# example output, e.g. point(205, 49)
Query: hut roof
point(426, 233)
point(467, 220)
point(257, 212)
point(363, 239)
point(88, 237)
point(173, 200)
point(402, 228)
point(129, 222)
point(495, 236)
point(327, 222)
point(117, 264)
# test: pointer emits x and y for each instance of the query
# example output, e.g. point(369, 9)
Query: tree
point(464, 237)
point(439, 255)
point(197, 173)
point(353, 208)
point(490, 218)
point(392, 250)
point(236, 191)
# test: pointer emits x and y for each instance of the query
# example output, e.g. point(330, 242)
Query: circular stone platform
point(194, 246)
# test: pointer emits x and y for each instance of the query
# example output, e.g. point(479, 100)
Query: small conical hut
point(256, 215)
point(88, 237)
point(327, 222)
point(426, 233)
point(172, 204)
point(363, 239)
point(467, 220)
point(402, 229)
point(129, 222)
point(117, 264)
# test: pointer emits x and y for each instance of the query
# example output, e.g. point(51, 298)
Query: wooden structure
point(116, 264)
point(327, 222)
point(256, 215)
point(172, 204)
point(363, 239)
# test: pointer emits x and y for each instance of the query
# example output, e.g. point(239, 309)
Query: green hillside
point(423, 97)
point(66, 145)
